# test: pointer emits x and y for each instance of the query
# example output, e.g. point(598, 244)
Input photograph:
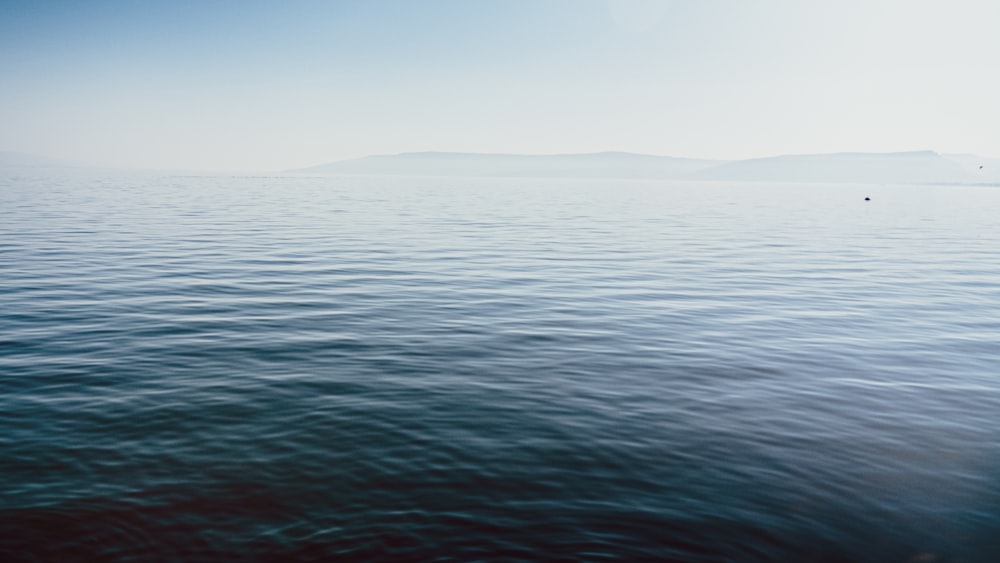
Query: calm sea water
point(257, 368)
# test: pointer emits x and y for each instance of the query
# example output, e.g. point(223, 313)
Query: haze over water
point(253, 368)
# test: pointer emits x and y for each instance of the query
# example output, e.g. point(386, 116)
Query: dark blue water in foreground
point(205, 368)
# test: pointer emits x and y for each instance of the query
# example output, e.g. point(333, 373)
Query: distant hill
point(901, 167)
point(594, 165)
point(847, 167)
point(979, 169)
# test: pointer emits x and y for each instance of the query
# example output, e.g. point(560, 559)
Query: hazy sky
point(255, 85)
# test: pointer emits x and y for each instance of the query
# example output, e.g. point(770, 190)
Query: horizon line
point(58, 162)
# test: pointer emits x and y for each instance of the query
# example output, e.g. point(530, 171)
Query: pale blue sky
point(254, 85)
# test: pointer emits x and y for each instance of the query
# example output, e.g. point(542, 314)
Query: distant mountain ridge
point(846, 167)
point(980, 169)
point(849, 167)
point(589, 165)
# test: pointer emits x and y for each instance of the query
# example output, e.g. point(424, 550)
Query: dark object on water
point(980, 166)
point(868, 199)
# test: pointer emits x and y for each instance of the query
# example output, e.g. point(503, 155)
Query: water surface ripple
point(237, 368)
